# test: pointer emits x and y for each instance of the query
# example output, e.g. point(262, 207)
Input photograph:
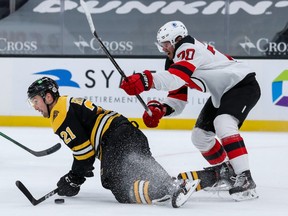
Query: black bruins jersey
point(81, 125)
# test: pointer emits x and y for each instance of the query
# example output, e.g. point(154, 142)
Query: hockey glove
point(158, 112)
point(69, 184)
point(137, 83)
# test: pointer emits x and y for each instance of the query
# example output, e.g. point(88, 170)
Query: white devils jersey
point(199, 66)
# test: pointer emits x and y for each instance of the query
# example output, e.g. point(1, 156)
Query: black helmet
point(42, 86)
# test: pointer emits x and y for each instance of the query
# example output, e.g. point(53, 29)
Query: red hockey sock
point(234, 146)
point(216, 154)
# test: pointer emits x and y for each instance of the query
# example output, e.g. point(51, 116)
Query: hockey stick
point(35, 153)
point(29, 196)
point(93, 30)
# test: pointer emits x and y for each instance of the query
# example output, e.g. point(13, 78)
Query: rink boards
point(98, 80)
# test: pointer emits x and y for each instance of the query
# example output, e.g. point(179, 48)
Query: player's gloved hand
point(137, 83)
point(69, 184)
point(158, 111)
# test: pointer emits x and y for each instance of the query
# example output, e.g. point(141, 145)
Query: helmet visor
point(34, 101)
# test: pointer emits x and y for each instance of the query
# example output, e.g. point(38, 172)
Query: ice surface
point(172, 149)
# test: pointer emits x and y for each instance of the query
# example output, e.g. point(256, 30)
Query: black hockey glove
point(69, 184)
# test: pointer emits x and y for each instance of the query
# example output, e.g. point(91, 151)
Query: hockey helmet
point(170, 31)
point(43, 86)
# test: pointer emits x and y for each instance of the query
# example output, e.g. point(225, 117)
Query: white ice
point(173, 149)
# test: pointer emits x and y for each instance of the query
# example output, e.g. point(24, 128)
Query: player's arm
point(139, 82)
point(173, 105)
point(167, 81)
point(177, 101)
point(76, 138)
point(83, 153)
point(84, 157)
point(84, 112)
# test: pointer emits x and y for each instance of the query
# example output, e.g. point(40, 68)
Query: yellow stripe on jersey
point(95, 128)
point(107, 124)
point(81, 146)
point(83, 151)
point(84, 157)
point(59, 112)
point(102, 123)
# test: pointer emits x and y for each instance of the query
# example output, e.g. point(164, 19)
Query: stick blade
point(47, 151)
point(35, 153)
point(29, 196)
point(26, 192)
point(53, 148)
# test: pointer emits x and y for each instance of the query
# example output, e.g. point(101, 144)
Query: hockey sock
point(236, 152)
point(140, 189)
point(207, 177)
point(216, 154)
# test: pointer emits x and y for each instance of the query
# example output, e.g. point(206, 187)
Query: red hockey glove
point(158, 112)
point(137, 83)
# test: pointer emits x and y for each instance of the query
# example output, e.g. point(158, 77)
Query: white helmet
point(170, 31)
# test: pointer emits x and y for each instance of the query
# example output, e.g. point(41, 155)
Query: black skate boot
point(244, 187)
point(225, 177)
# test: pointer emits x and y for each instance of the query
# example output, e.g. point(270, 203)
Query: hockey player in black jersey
point(128, 168)
point(234, 92)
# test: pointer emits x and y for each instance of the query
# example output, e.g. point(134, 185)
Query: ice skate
point(225, 177)
point(184, 190)
point(244, 187)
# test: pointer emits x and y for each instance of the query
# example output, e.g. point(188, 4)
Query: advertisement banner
point(59, 27)
point(98, 80)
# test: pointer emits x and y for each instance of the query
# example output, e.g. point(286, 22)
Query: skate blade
point(182, 198)
point(216, 188)
point(246, 195)
point(219, 186)
point(161, 200)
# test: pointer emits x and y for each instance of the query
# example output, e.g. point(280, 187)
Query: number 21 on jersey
point(67, 135)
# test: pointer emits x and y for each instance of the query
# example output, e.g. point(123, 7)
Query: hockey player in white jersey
point(234, 92)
